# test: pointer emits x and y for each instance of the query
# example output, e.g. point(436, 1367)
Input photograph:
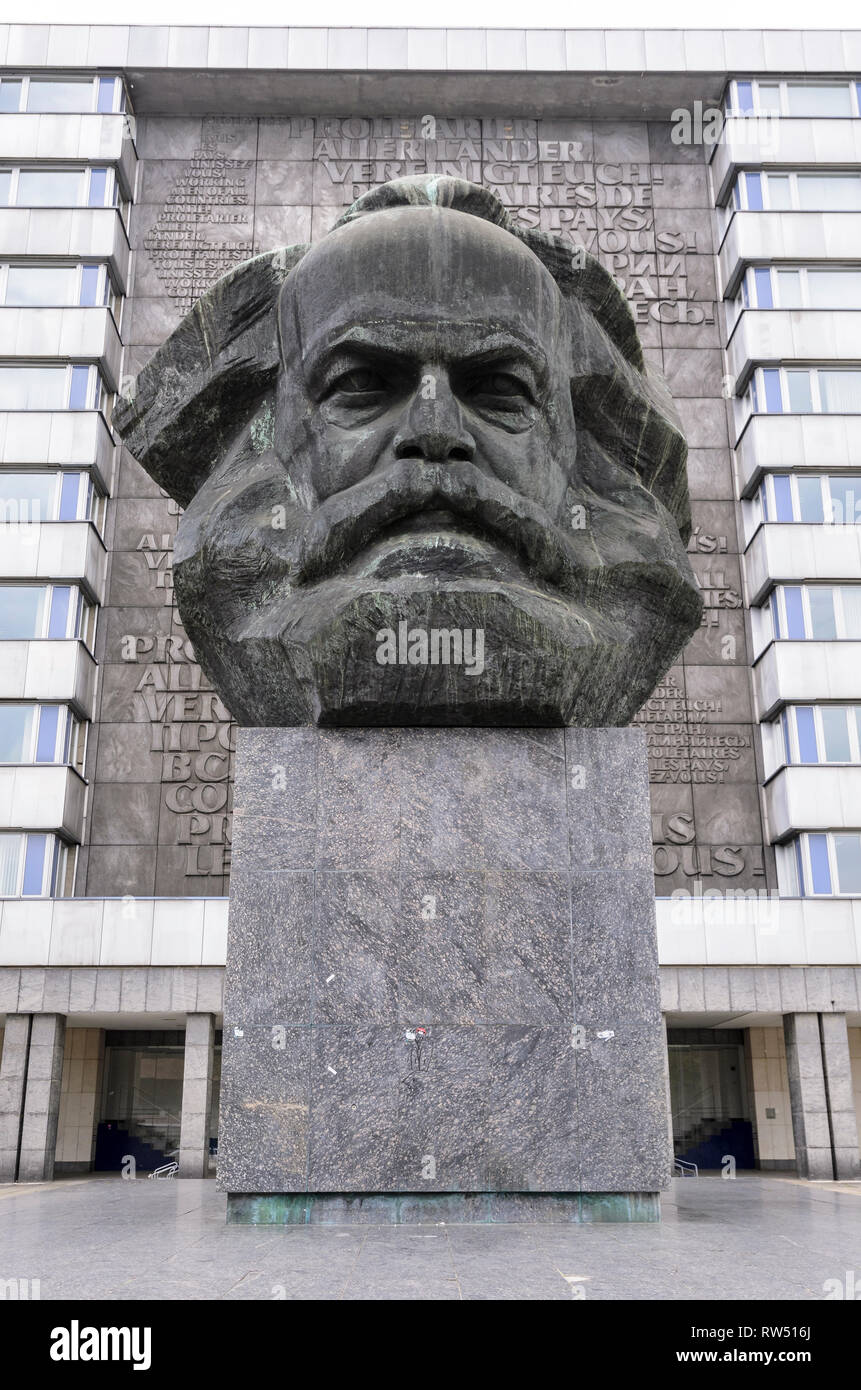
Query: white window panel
point(810, 498)
point(828, 864)
point(40, 95)
point(35, 866)
point(40, 734)
point(60, 187)
point(792, 98)
point(33, 612)
point(30, 285)
point(76, 386)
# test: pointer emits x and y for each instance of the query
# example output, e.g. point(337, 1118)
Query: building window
point(42, 187)
point(45, 286)
point(810, 287)
point(41, 95)
point(821, 734)
point(46, 94)
point(821, 865)
point(758, 191)
point(32, 734)
point(28, 498)
point(805, 391)
point(35, 866)
point(815, 99)
point(832, 499)
point(32, 612)
point(816, 612)
point(77, 386)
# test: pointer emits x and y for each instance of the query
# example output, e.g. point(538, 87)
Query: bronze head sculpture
point(428, 477)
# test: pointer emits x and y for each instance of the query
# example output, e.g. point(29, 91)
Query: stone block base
point(442, 974)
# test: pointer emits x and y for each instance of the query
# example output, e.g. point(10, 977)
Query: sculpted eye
point(501, 385)
point(361, 381)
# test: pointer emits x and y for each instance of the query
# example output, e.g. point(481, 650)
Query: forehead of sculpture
point(415, 272)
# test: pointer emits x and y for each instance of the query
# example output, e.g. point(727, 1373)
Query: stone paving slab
point(754, 1237)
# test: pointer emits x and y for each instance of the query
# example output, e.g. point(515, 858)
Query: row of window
point(821, 865)
point(32, 734)
point(66, 495)
point(38, 865)
point(29, 285)
point(74, 386)
point(815, 612)
point(64, 94)
point(757, 191)
point(831, 498)
point(35, 866)
point(31, 612)
point(808, 287)
point(813, 864)
point(804, 391)
point(763, 98)
point(61, 187)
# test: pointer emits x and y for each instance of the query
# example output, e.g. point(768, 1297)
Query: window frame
point(739, 199)
point(96, 393)
point(787, 724)
point(767, 501)
point(69, 737)
point(112, 195)
point(106, 294)
point(89, 506)
point(747, 296)
point(118, 104)
point(732, 107)
point(59, 864)
point(757, 389)
point(798, 851)
point(776, 605)
point(80, 623)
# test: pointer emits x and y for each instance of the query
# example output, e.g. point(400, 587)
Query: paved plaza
point(750, 1238)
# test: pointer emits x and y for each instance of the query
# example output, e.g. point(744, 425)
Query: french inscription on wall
point(217, 190)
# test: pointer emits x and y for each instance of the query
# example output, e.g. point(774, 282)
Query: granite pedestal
point(442, 983)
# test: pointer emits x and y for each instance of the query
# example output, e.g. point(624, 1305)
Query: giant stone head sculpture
point(427, 476)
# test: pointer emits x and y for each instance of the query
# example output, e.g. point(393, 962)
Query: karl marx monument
point(432, 558)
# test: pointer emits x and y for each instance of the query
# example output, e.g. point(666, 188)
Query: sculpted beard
point(449, 547)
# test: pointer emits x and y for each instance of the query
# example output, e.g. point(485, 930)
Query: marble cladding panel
point(446, 988)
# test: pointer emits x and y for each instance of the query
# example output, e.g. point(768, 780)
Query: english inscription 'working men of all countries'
point(427, 476)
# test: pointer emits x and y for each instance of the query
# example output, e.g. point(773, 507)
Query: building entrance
point(711, 1115)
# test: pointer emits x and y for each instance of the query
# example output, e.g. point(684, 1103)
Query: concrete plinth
point(840, 1096)
point(42, 1098)
point(808, 1096)
point(442, 975)
point(196, 1096)
point(13, 1078)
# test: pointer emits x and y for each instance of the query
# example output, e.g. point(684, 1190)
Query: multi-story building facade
point(718, 176)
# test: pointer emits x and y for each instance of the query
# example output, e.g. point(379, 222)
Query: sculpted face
point(407, 527)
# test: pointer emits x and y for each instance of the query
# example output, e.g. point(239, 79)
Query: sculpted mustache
point(349, 521)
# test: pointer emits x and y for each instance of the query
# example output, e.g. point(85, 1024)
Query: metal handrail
point(685, 1168)
point(167, 1170)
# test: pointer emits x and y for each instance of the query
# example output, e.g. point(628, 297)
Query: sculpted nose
point(433, 427)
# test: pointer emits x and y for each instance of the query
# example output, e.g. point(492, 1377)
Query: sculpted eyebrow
point(323, 366)
point(358, 343)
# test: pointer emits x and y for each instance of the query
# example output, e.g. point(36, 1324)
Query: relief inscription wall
point(217, 190)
